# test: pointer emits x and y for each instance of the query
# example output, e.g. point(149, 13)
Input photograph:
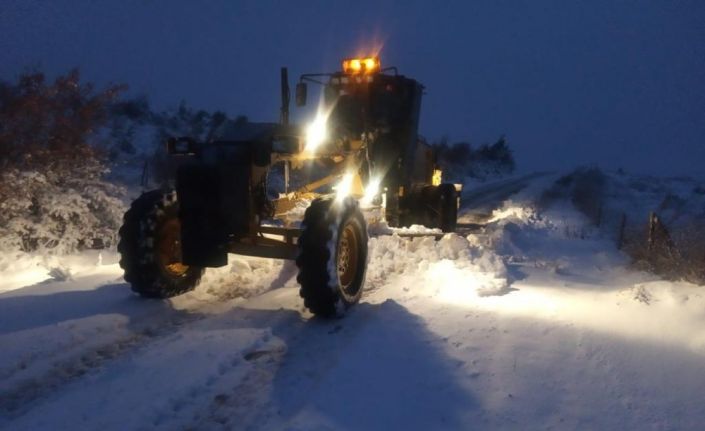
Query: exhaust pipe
point(285, 96)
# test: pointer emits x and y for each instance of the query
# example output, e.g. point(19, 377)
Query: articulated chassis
point(276, 237)
point(279, 242)
point(267, 239)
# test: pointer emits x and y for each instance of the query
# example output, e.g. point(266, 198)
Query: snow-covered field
point(535, 322)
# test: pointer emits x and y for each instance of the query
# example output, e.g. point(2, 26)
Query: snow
point(157, 375)
point(19, 270)
point(535, 321)
point(380, 227)
point(450, 261)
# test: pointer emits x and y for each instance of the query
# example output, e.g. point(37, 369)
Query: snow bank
point(565, 266)
point(379, 227)
point(245, 277)
point(19, 269)
point(53, 213)
point(452, 260)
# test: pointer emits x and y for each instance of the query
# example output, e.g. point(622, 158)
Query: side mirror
point(301, 90)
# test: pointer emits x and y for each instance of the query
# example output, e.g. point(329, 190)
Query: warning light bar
point(361, 65)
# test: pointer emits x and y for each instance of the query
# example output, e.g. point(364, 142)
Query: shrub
point(51, 193)
point(39, 213)
point(461, 160)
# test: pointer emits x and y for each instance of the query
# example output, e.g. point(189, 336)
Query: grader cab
point(361, 160)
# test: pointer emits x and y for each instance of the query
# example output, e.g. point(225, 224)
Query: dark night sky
point(614, 83)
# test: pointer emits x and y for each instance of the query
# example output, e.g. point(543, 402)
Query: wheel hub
point(169, 248)
point(347, 257)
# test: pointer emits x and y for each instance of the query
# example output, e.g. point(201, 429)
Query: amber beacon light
point(361, 65)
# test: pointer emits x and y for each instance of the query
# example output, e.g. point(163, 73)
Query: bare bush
point(672, 246)
point(676, 255)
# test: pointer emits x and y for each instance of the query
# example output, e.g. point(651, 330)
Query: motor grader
point(362, 161)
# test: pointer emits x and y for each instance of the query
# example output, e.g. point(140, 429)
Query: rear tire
point(332, 258)
point(150, 247)
point(447, 207)
point(433, 207)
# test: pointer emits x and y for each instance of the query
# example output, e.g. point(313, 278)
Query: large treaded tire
point(447, 207)
point(433, 207)
point(142, 231)
point(332, 232)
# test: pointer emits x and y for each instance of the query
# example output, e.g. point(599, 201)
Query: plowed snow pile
point(535, 321)
point(439, 262)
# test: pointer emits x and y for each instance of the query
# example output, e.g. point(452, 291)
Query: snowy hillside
point(535, 321)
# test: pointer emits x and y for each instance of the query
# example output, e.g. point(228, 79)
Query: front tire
point(332, 258)
point(150, 247)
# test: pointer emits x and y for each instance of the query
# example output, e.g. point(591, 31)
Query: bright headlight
point(371, 191)
point(316, 132)
point(344, 187)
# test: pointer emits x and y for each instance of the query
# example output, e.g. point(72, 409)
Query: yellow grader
point(361, 158)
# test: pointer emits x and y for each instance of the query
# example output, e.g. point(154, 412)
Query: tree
point(51, 193)
point(462, 160)
point(48, 126)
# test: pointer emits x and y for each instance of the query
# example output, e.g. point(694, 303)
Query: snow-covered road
point(534, 323)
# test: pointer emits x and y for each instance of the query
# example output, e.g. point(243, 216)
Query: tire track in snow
point(46, 370)
point(19, 397)
point(478, 203)
point(244, 405)
point(162, 386)
point(37, 376)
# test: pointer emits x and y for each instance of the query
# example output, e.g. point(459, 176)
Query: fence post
point(660, 240)
point(652, 230)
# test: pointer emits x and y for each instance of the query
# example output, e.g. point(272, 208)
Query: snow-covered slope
point(534, 322)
